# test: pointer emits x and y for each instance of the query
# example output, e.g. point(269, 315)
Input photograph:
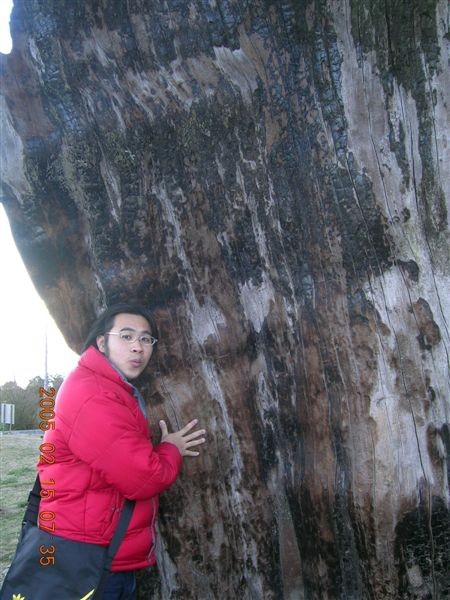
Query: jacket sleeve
point(105, 435)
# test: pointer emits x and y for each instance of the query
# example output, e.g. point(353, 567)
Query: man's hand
point(182, 439)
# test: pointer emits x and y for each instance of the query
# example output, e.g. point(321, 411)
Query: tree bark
point(271, 177)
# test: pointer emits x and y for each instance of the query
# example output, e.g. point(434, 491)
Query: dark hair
point(105, 321)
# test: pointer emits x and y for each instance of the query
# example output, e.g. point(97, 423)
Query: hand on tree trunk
point(182, 440)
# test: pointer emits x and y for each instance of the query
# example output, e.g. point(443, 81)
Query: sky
point(25, 321)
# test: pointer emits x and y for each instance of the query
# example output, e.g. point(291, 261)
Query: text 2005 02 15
point(47, 517)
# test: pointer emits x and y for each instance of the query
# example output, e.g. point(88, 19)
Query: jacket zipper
point(153, 530)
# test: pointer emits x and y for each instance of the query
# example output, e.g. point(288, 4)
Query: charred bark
point(272, 178)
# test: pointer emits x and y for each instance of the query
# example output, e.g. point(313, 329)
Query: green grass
point(18, 456)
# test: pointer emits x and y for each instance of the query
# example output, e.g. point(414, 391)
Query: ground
point(18, 456)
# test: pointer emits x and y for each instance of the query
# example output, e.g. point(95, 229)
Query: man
point(102, 447)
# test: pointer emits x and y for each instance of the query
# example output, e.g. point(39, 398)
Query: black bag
point(48, 566)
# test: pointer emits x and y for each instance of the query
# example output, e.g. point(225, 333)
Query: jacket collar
point(97, 362)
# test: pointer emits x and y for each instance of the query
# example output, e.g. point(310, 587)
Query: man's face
point(130, 358)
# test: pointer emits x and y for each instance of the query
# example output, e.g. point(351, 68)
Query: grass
point(18, 456)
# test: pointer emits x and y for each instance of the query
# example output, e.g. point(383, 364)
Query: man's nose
point(137, 346)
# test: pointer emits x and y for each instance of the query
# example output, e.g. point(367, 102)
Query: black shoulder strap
point(34, 498)
point(121, 528)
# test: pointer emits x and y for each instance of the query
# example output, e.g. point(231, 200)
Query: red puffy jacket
point(103, 454)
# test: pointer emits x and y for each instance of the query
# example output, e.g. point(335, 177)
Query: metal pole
point(46, 360)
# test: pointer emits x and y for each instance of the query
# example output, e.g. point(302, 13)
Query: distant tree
point(26, 400)
point(56, 381)
point(35, 384)
point(29, 408)
point(11, 393)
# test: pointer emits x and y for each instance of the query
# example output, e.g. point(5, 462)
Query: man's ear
point(100, 339)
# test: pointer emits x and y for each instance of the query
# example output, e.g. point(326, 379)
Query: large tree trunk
point(272, 178)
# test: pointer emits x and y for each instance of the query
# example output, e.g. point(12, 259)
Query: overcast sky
point(24, 317)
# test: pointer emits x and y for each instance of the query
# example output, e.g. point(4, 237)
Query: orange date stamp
point(47, 517)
